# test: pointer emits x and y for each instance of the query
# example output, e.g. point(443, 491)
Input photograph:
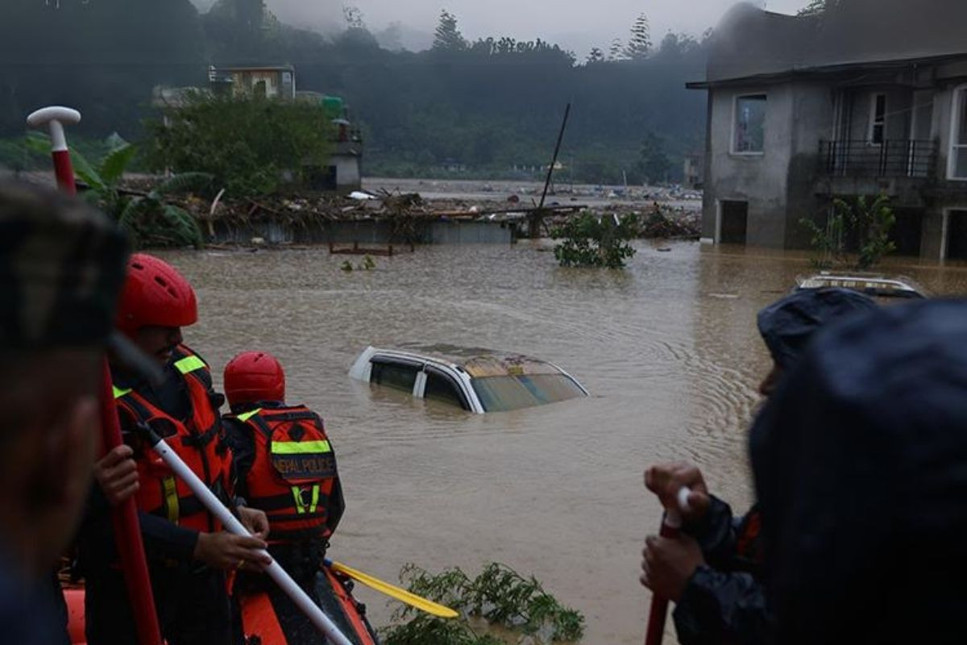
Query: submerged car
point(476, 380)
point(874, 285)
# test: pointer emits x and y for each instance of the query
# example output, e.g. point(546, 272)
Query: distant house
point(273, 81)
point(869, 98)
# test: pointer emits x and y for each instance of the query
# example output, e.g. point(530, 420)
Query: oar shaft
point(659, 606)
point(127, 531)
point(274, 571)
point(670, 528)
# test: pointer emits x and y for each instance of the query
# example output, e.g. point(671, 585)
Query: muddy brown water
point(668, 349)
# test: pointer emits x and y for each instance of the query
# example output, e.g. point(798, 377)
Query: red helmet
point(254, 376)
point(154, 293)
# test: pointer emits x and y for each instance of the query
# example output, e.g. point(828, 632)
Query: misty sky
point(574, 24)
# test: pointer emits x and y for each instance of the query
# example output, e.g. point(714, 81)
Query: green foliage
point(498, 595)
point(148, 219)
point(590, 241)
point(244, 143)
point(859, 223)
point(423, 629)
point(368, 264)
point(827, 240)
point(873, 221)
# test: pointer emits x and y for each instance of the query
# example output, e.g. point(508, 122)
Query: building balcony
point(894, 158)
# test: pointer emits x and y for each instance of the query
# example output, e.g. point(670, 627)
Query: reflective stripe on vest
point(170, 488)
point(245, 416)
point(300, 447)
point(300, 505)
point(189, 364)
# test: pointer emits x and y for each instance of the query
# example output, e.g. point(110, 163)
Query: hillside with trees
point(480, 108)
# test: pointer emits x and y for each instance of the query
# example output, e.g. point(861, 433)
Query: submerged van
point(477, 380)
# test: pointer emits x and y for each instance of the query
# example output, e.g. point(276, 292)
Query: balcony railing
point(892, 158)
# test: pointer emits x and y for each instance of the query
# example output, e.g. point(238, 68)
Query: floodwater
point(668, 349)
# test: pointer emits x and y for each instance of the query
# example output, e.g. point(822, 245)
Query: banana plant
point(149, 219)
point(152, 221)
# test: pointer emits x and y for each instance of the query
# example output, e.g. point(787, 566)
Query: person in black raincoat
point(860, 466)
point(714, 571)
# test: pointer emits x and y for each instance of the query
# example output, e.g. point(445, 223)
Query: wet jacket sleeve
point(721, 604)
point(716, 534)
point(719, 607)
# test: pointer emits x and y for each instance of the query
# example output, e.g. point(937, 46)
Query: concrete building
point(868, 98)
point(272, 81)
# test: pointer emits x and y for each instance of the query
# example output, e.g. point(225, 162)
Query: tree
point(820, 7)
point(860, 224)
point(595, 56)
point(640, 42)
point(447, 36)
point(246, 144)
point(148, 220)
point(354, 18)
point(653, 164)
point(591, 241)
point(617, 51)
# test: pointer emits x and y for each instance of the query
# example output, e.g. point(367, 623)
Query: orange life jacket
point(199, 441)
point(293, 472)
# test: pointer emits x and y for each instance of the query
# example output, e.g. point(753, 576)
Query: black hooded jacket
point(860, 464)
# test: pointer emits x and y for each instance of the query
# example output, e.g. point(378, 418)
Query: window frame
point(735, 123)
point(959, 104)
point(874, 123)
point(393, 361)
point(456, 384)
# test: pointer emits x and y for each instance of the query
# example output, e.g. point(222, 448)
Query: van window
point(396, 375)
point(441, 388)
point(501, 393)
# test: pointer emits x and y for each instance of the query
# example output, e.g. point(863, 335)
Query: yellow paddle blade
point(402, 595)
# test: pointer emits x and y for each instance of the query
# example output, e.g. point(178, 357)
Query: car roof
point(871, 284)
point(477, 362)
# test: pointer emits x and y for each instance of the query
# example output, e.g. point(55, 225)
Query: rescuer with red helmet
point(287, 468)
point(188, 551)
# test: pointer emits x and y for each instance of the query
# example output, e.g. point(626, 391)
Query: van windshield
point(502, 393)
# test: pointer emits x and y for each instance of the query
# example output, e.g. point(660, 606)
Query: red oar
point(127, 530)
point(670, 526)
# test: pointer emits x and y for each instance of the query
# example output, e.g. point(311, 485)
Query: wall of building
point(759, 179)
point(347, 172)
point(813, 120)
point(951, 195)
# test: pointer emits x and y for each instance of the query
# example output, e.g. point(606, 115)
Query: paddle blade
point(393, 591)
